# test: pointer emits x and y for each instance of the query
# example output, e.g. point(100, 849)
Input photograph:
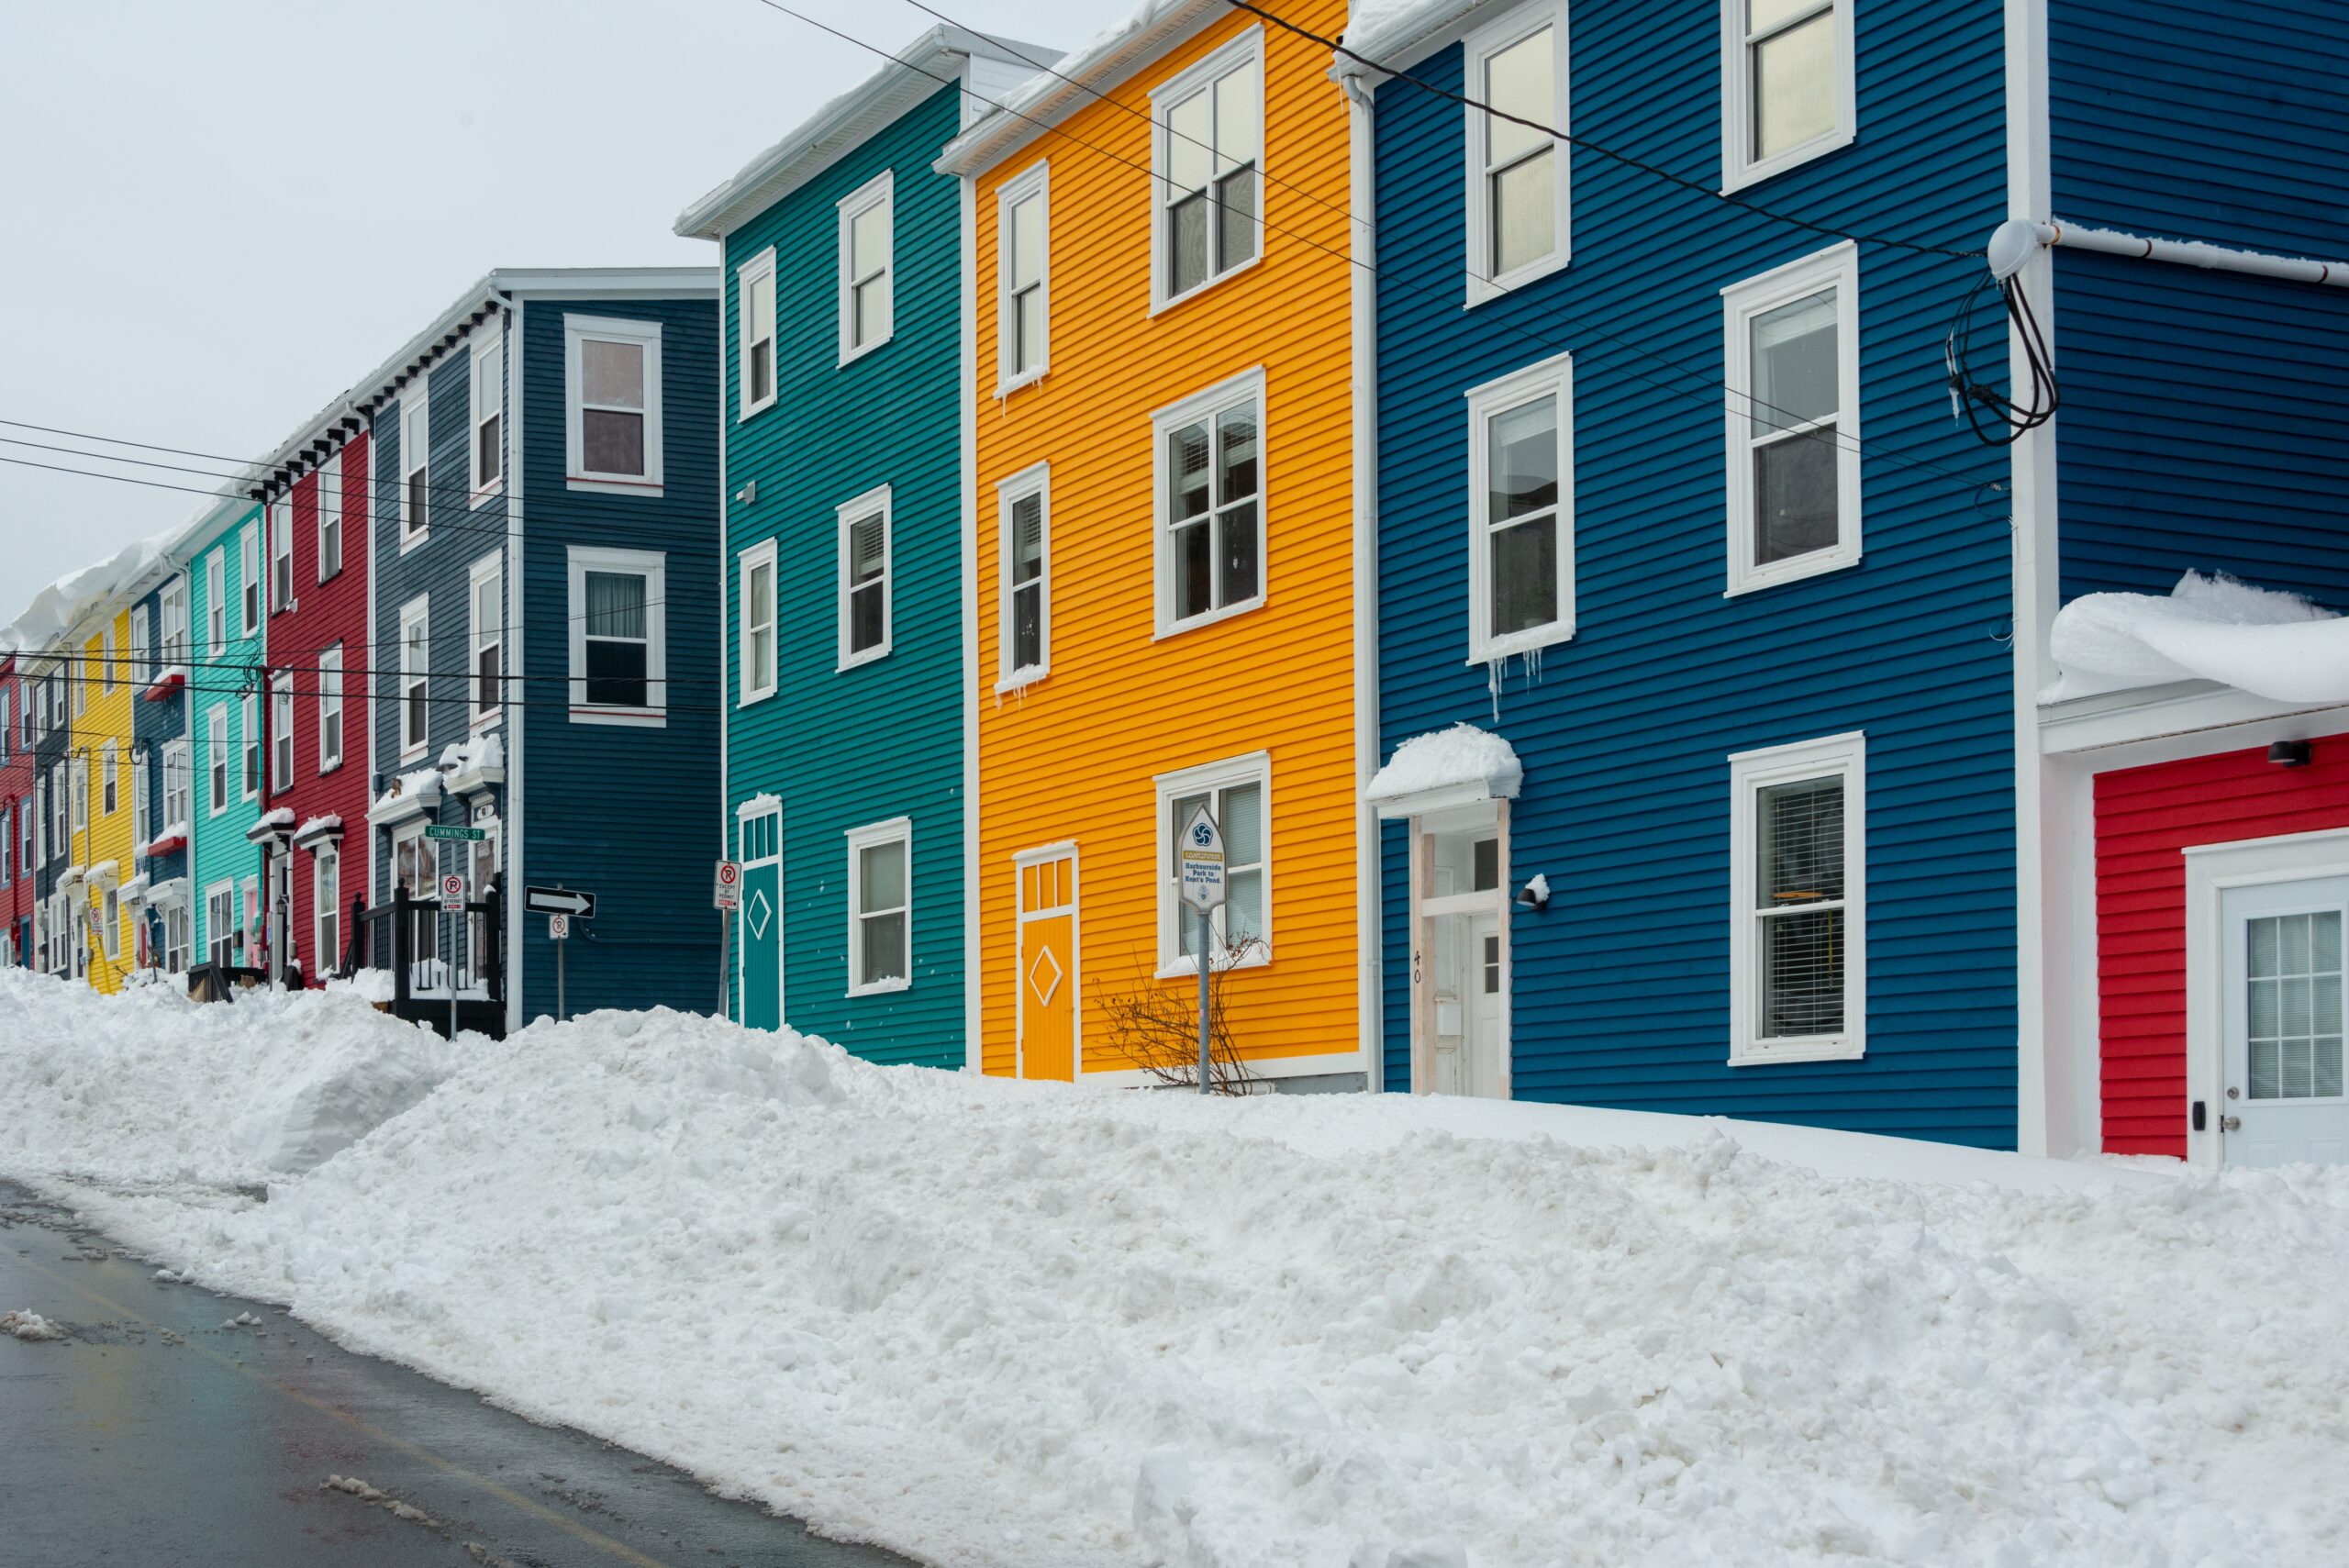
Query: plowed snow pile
point(1033, 1325)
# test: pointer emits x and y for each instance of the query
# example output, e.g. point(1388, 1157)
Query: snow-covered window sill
point(1826, 1051)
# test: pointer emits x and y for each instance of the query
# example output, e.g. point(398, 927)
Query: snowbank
point(1461, 758)
point(990, 1322)
point(2211, 628)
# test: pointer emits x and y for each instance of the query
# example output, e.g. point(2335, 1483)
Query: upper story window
point(215, 754)
point(1210, 504)
point(281, 555)
point(1793, 371)
point(1787, 93)
point(141, 663)
point(612, 417)
point(754, 304)
point(174, 647)
point(868, 271)
point(215, 601)
point(618, 636)
point(1024, 505)
point(249, 714)
point(248, 584)
point(1207, 150)
point(416, 678)
point(865, 617)
point(83, 674)
point(330, 710)
point(110, 780)
point(1022, 281)
point(416, 465)
point(1798, 878)
point(281, 733)
point(486, 450)
point(757, 653)
point(1520, 511)
point(330, 517)
point(177, 782)
point(1518, 175)
point(106, 670)
point(486, 589)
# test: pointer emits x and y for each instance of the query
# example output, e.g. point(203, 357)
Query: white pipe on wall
point(2014, 241)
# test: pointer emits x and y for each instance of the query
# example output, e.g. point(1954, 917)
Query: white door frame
point(2210, 871)
point(1021, 915)
point(749, 811)
point(1426, 906)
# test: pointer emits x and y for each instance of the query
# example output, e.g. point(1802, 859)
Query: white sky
point(219, 214)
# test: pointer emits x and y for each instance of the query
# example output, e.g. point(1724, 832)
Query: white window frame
point(877, 499)
point(1552, 377)
point(1036, 480)
point(757, 270)
point(7, 843)
point(110, 779)
point(653, 566)
point(331, 510)
point(879, 191)
point(177, 757)
point(897, 830)
point(1483, 282)
point(77, 793)
point(1836, 267)
point(281, 555)
point(216, 591)
point(218, 770)
point(1207, 403)
point(250, 585)
point(489, 569)
point(416, 615)
point(579, 329)
point(81, 675)
point(140, 825)
point(1844, 756)
point(29, 825)
point(106, 672)
point(1207, 778)
point(485, 385)
point(416, 456)
point(142, 665)
point(219, 936)
point(1030, 184)
point(326, 905)
point(330, 717)
point(1739, 167)
point(1247, 46)
point(173, 646)
point(748, 622)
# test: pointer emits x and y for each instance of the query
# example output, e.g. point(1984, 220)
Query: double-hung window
point(486, 452)
point(249, 714)
point(77, 790)
point(1023, 285)
point(250, 584)
point(29, 821)
point(880, 907)
point(416, 678)
point(754, 304)
point(1786, 84)
point(176, 783)
point(1235, 794)
point(1798, 876)
point(281, 733)
point(864, 580)
point(756, 656)
point(174, 627)
point(215, 753)
point(1792, 364)
point(215, 601)
point(330, 517)
point(330, 709)
point(486, 590)
point(7, 842)
point(618, 636)
point(415, 466)
point(1520, 511)
point(83, 674)
point(140, 826)
point(281, 555)
point(868, 270)
point(60, 835)
point(612, 414)
point(326, 902)
point(109, 780)
point(1207, 149)
point(141, 667)
point(1518, 174)
point(1023, 506)
point(1210, 504)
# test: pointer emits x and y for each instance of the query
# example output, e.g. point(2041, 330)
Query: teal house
point(225, 614)
point(847, 656)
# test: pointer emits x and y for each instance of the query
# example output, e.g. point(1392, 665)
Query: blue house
point(1670, 511)
point(847, 653)
point(163, 767)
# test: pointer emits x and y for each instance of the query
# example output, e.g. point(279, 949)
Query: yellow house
point(98, 779)
point(1162, 583)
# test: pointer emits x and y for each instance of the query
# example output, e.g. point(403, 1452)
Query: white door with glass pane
point(2282, 959)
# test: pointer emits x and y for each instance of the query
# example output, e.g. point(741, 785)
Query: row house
point(159, 894)
point(222, 694)
point(16, 808)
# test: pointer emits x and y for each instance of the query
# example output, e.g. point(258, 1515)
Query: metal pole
point(725, 959)
point(1204, 960)
point(449, 973)
point(558, 979)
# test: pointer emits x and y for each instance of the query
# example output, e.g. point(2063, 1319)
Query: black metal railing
point(406, 938)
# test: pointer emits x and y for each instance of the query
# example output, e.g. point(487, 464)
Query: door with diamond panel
point(2287, 945)
point(1048, 1015)
point(759, 917)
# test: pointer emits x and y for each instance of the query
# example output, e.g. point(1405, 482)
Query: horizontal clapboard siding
point(1620, 990)
point(221, 852)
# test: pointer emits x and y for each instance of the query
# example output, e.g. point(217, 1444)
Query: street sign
point(1201, 857)
point(452, 893)
point(559, 901)
point(464, 835)
point(727, 891)
point(559, 927)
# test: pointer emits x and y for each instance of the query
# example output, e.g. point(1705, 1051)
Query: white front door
point(1483, 1045)
point(1460, 963)
point(2283, 960)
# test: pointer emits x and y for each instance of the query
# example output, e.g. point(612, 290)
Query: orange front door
point(1047, 976)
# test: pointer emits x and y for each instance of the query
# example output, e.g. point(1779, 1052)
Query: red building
point(16, 812)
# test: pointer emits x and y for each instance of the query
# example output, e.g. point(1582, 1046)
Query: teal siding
point(220, 852)
point(843, 749)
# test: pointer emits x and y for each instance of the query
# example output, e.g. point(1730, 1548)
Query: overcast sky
point(214, 216)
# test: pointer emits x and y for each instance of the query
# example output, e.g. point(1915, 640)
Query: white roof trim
point(1092, 68)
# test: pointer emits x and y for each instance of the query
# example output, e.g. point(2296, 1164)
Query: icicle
point(1495, 669)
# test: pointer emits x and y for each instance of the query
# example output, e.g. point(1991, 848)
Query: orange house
point(1163, 542)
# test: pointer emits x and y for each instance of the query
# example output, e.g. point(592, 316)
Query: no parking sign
point(726, 893)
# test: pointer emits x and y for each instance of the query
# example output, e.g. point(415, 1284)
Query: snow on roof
point(1143, 33)
point(135, 889)
point(1388, 30)
point(473, 755)
point(1463, 761)
point(281, 817)
point(56, 607)
point(323, 827)
point(170, 890)
point(407, 794)
point(104, 872)
point(2271, 644)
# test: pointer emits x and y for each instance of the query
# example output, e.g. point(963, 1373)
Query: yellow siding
point(107, 719)
point(1074, 756)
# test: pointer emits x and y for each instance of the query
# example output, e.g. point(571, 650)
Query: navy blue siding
point(2202, 411)
point(152, 726)
point(1620, 990)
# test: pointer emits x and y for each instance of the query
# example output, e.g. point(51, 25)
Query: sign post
point(726, 896)
point(560, 906)
point(1200, 855)
point(559, 929)
point(452, 903)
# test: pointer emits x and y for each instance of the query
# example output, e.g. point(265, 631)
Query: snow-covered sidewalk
point(1001, 1323)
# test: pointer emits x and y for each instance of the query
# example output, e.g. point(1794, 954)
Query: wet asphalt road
point(154, 1436)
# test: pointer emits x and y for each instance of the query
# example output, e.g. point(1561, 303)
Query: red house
point(17, 809)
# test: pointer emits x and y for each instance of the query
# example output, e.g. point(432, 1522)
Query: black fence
point(412, 939)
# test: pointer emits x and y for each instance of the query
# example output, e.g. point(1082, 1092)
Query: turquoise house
point(847, 655)
point(226, 613)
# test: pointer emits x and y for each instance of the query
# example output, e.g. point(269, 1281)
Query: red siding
point(325, 613)
point(15, 786)
point(2145, 819)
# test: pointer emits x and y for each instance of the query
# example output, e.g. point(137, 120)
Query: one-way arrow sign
point(559, 901)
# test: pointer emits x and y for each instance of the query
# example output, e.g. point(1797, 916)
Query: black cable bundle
point(1982, 406)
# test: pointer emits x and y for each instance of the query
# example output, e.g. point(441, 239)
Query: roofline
point(847, 122)
point(1090, 72)
point(1412, 36)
